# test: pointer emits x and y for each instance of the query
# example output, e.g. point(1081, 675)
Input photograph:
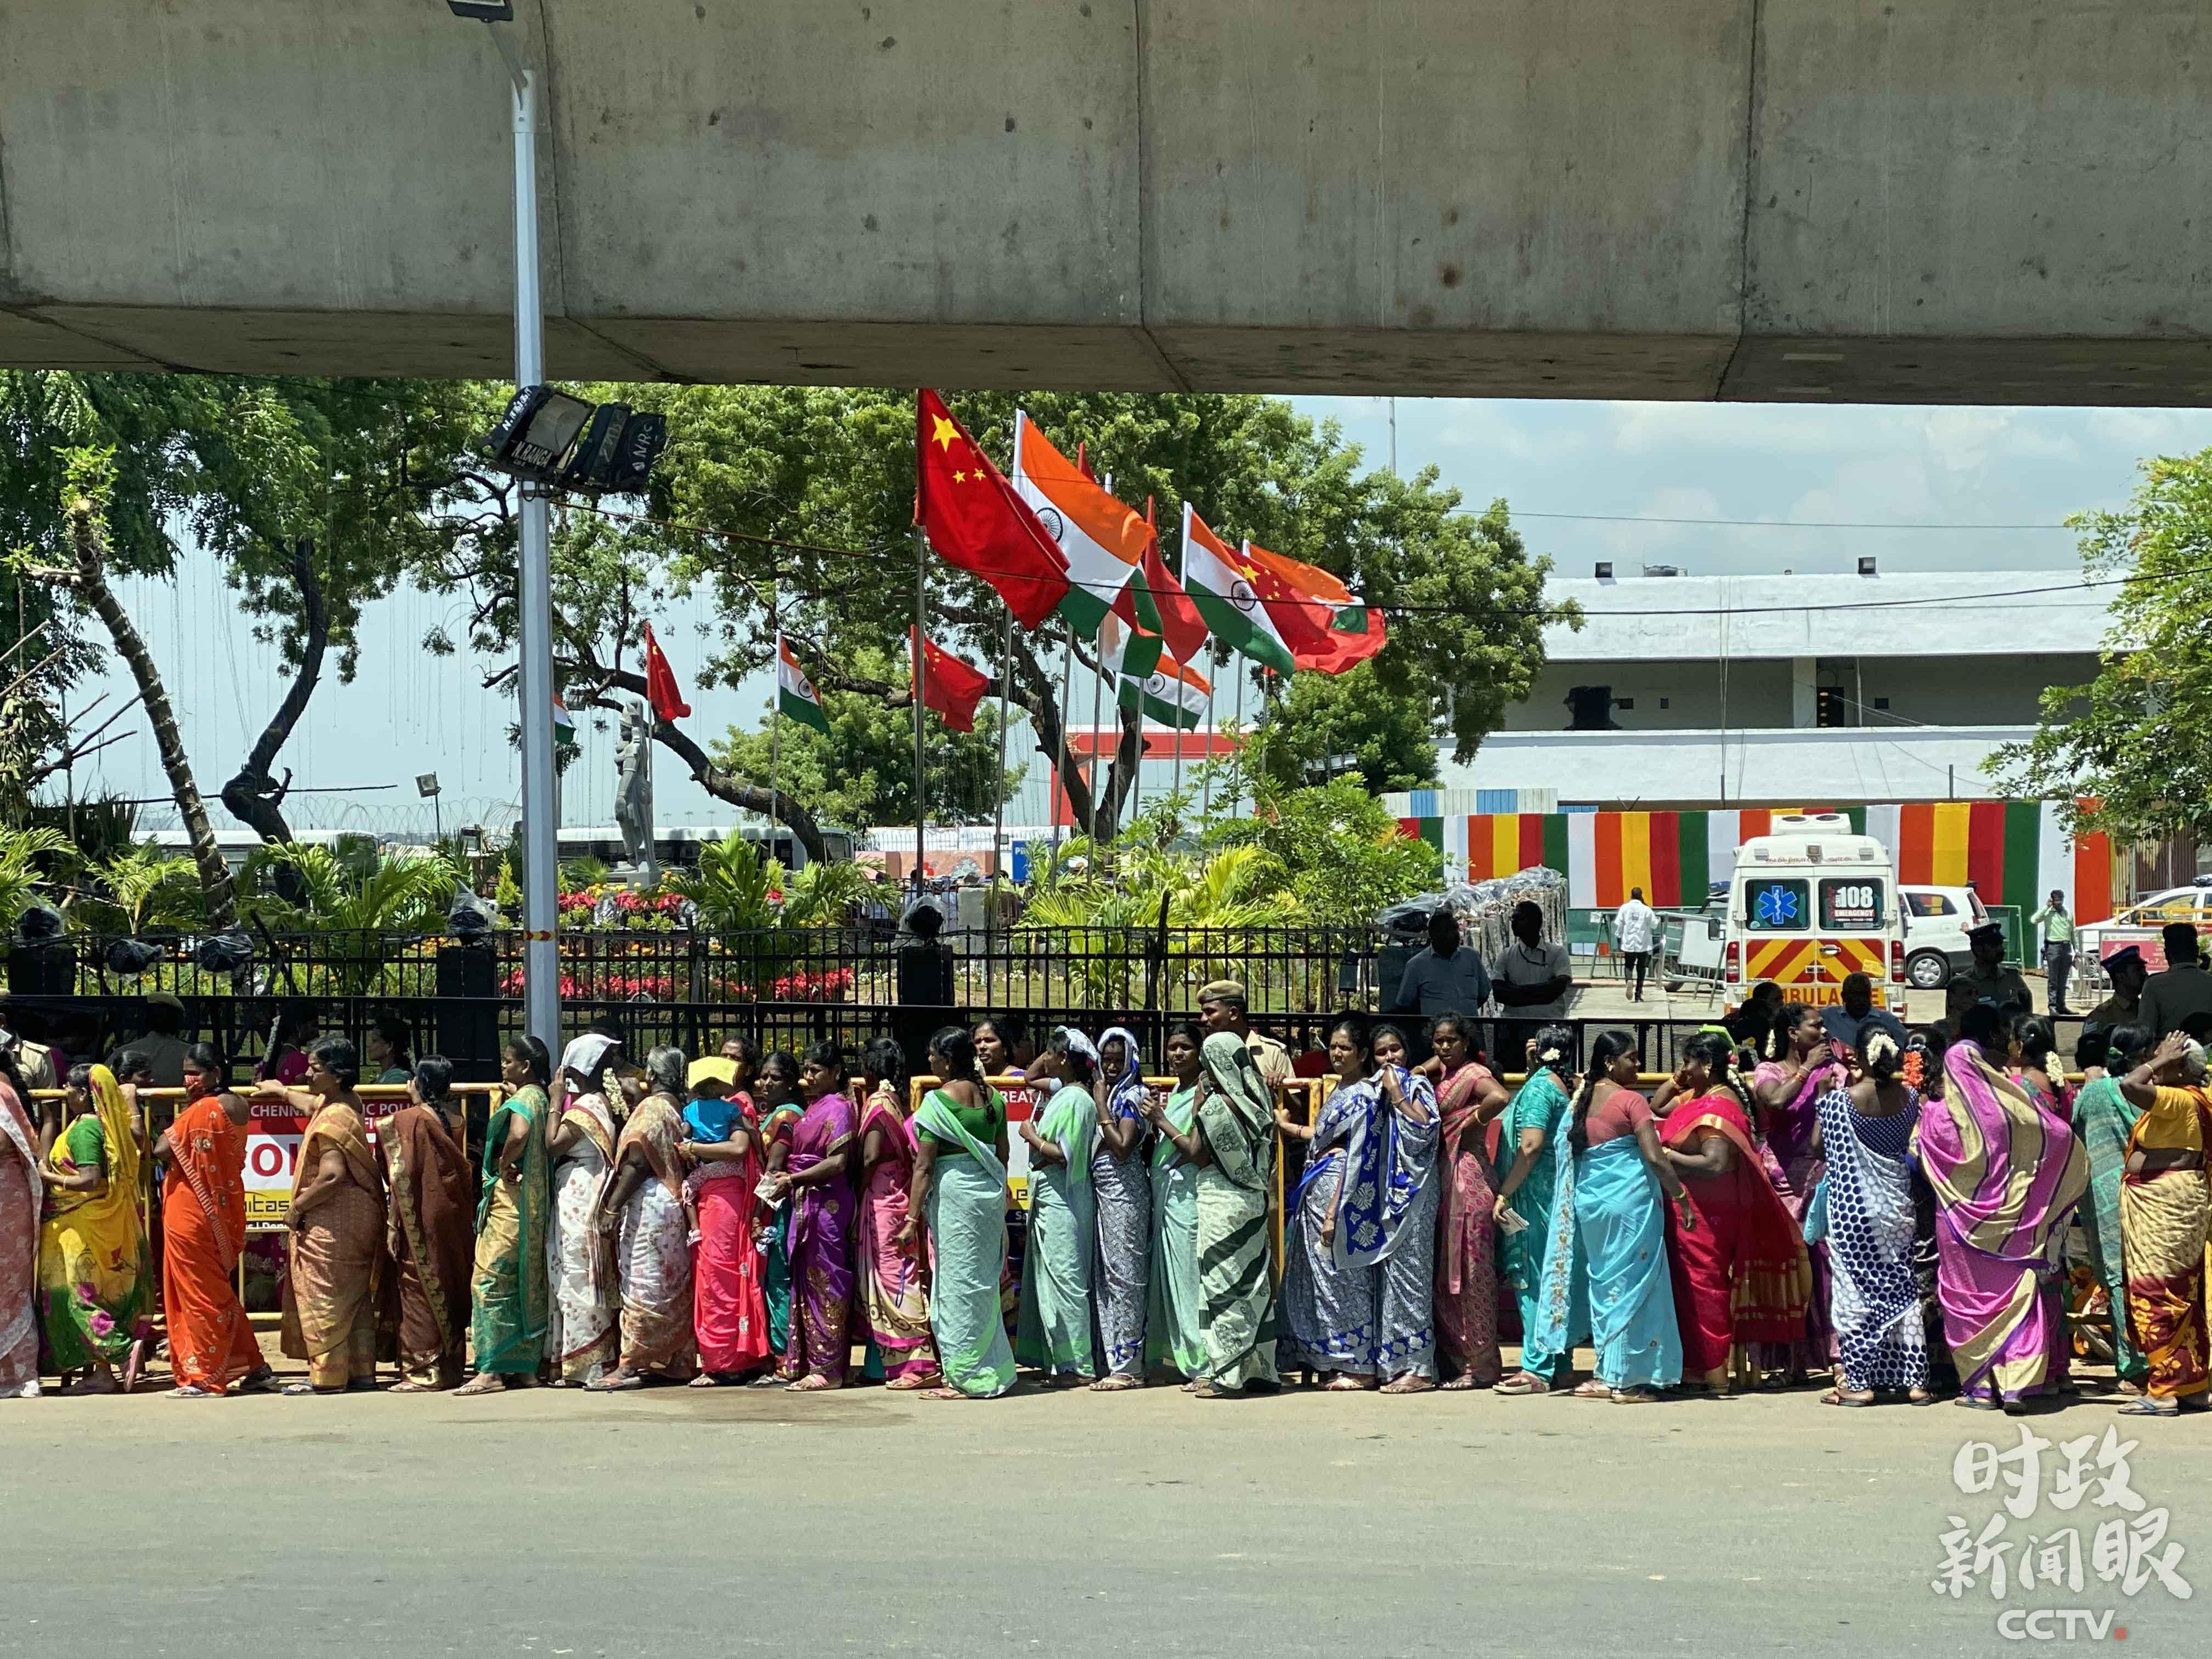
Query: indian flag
point(1220, 582)
point(796, 698)
point(1172, 694)
point(1103, 541)
point(564, 725)
point(1126, 653)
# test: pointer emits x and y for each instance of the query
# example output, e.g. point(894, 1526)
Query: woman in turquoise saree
point(1172, 1332)
point(2105, 1118)
point(1527, 1196)
point(1053, 1330)
point(960, 1186)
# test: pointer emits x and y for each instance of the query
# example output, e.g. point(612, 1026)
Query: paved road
point(699, 1523)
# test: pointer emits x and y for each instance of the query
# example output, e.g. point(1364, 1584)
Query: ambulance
point(1809, 903)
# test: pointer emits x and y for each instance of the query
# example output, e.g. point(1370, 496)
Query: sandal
point(1464, 1381)
point(192, 1391)
point(2149, 1407)
point(814, 1382)
point(1116, 1384)
point(1636, 1396)
point(1851, 1397)
point(943, 1394)
point(705, 1380)
point(1347, 1384)
point(1521, 1383)
point(1592, 1390)
point(1918, 1397)
point(1411, 1382)
point(613, 1382)
point(262, 1380)
point(301, 1390)
point(909, 1384)
point(408, 1385)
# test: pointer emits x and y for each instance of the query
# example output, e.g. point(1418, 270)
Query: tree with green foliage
point(2137, 740)
point(791, 508)
point(1344, 859)
point(861, 774)
point(318, 496)
point(1390, 737)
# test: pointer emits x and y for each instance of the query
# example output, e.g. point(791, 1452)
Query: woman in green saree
point(1053, 1330)
point(1172, 1332)
point(1236, 1157)
point(2105, 1119)
point(960, 1186)
point(1533, 1123)
point(510, 1288)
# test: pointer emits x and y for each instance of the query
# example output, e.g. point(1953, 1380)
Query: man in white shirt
point(1635, 931)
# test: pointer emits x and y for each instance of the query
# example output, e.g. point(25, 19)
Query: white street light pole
point(541, 845)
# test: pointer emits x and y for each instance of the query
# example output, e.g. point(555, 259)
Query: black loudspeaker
point(42, 970)
point(468, 1010)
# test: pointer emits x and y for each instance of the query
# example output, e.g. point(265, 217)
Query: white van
point(1811, 903)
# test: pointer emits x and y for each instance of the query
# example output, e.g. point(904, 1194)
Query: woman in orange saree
point(20, 1193)
point(211, 1342)
point(1742, 1275)
point(337, 1223)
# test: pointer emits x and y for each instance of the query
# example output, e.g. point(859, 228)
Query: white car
point(2141, 924)
point(1936, 921)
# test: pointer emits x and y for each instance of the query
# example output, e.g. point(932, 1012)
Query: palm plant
point(369, 898)
point(23, 881)
point(149, 888)
point(737, 888)
point(1095, 916)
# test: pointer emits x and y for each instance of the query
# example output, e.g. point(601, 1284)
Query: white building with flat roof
point(1684, 691)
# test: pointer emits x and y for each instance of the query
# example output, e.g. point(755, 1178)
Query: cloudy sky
point(1589, 480)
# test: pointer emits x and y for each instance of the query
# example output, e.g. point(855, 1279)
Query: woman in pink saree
point(817, 1183)
point(1802, 1066)
point(894, 1296)
point(2007, 1174)
point(1470, 1099)
point(20, 1193)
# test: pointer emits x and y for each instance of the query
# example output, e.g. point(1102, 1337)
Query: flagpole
point(920, 668)
point(998, 783)
point(1237, 721)
point(1206, 784)
point(774, 742)
point(1098, 761)
point(1067, 744)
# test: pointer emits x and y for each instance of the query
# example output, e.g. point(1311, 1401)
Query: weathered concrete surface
point(671, 1523)
point(1963, 200)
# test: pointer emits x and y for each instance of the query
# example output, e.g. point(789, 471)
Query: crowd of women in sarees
point(1890, 1220)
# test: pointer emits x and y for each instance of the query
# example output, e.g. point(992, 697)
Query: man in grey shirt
point(1531, 980)
point(1446, 978)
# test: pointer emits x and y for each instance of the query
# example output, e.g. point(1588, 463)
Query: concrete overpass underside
point(1952, 201)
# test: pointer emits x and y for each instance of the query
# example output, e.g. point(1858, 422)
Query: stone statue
point(634, 791)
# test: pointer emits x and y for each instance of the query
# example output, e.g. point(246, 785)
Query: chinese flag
point(660, 688)
point(974, 520)
point(1326, 628)
point(948, 685)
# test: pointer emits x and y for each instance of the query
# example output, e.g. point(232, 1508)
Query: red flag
point(1154, 600)
point(974, 518)
point(948, 685)
point(661, 689)
point(1326, 628)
